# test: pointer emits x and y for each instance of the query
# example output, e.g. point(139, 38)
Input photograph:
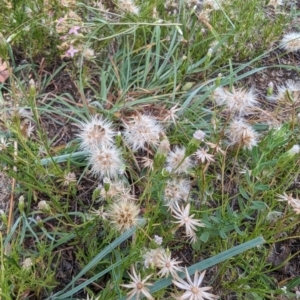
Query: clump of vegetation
point(139, 153)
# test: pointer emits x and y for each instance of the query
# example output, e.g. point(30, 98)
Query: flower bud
point(21, 204)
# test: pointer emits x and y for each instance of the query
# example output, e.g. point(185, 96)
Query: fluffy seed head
point(105, 161)
point(240, 101)
point(141, 131)
point(123, 215)
point(128, 6)
point(242, 134)
point(95, 133)
point(151, 257)
point(291, 42)
point(176, 190)
point(287, 93)
point(175, 160)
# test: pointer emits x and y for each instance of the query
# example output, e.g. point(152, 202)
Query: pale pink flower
point(71, 52)
point(74, 30)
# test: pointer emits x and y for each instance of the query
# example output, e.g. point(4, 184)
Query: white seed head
point(291, 42)
point(175, 160)
point(123, 215)
point(240, 133)
point(95, 133)
point(106, 161)
point(141, 131)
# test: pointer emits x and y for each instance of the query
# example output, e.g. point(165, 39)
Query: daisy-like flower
point(95, 133)
point(138, 286)
point(105, 161)
point(69, 178)
point(184, 219)
point(3, 144)
point(193, 289)
point(128, 6)
point(168, 266)
point(291, 42)
point(241, 133)
point(203, 156)
point(177, 161)
point(74, 30)
point(176, 190)
point(123, 215)
point(142, 131)
point(293, 202)
point(71, 51)
point(171, 114)
point(151, 257)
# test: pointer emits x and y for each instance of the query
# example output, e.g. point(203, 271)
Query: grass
point(73, 230)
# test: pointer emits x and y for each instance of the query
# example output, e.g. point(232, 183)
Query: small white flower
point(158, 240)
point(138, 286)
point(294, 150)
point(193, 291)
point(3, 144)
point(27, 263)
point(184, 219)
point(69, 178)
point(203, 156)
point(168, 266)
point(199, 135)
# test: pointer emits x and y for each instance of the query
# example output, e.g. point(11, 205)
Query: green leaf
point(261, 187)
point(258, 205)
point(204, 236)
